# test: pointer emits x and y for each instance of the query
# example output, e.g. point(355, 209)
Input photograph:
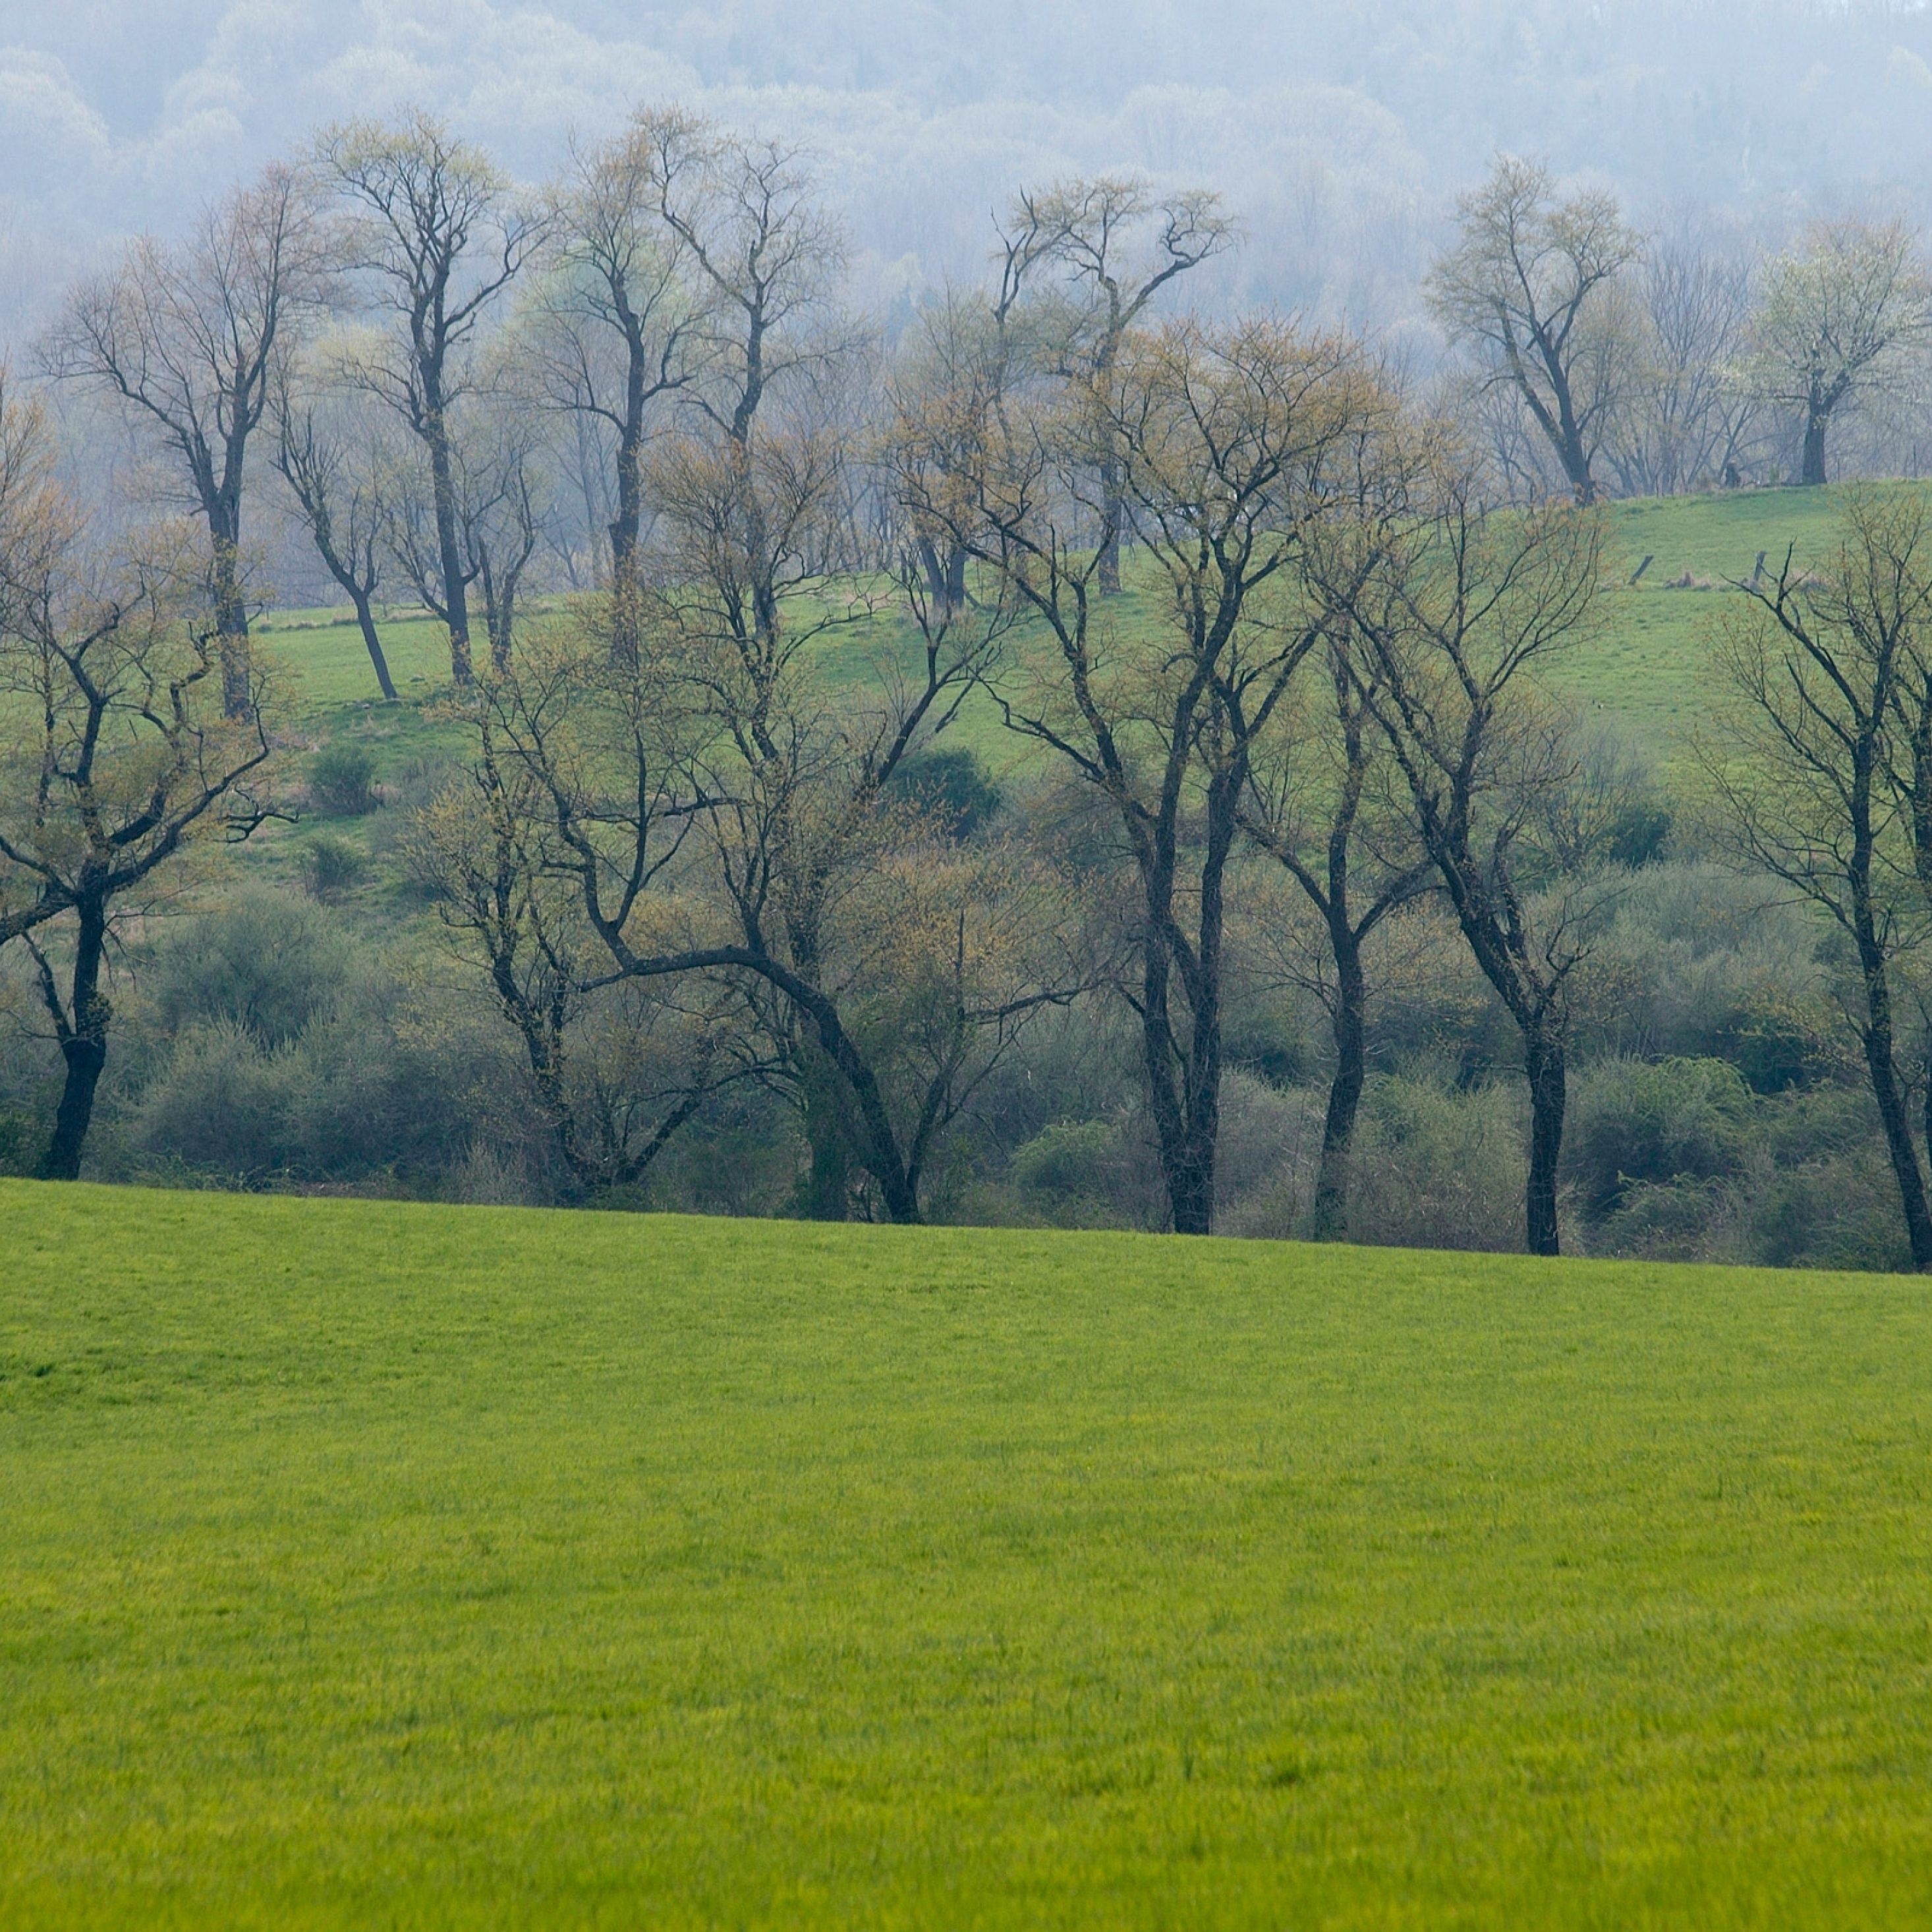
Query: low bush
point(332, 866)
point(340, 781)
point(1437, 1165)
point(1669, 1120)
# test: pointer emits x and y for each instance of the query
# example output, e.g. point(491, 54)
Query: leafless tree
point(335, 467)
point(1317, 805)
point(1533, 283)
point(614, 330)
point(711, 828)
point(1224, 437)
point(1686, 418)
point(190, 338)
point(1116, 244)
point(1460, 607)
point(1816, 767)
point(118, 756)
point(435, 234)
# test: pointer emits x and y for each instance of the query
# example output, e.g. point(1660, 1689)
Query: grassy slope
point(369, 1565)
point(1645, 670)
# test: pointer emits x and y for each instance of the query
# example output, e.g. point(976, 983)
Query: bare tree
point(615, 1074)
point(1117, 243)
point(1532, 283)
point(1846, 313)
point(1686, 419)
point(1460, 608)
point(614, 331)
point(190, 338)
point(498, 497)
point(335, 467)
point(1816, 767)
point(119, 757)
point(1223, 438)
point(434, 233)
point(1317, 804)
point(711, 826)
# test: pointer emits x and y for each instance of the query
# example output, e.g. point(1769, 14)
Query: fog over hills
point(1340, 131)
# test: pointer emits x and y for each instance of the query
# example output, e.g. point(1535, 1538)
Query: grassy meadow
point(374, 1564)
point(1644, 671)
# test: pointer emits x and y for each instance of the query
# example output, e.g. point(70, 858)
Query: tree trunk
point(945, 579)
point(1813, 469)
point(231, 621)
point(455, 597)
point(824, 1191)
point(625, 614)
point(1190, 1178)
point(1329, 1221)
point(626, 641)
point(1112, 510)
point(365, 616)
point(1880, 1065)
point(1543, 1067)
point(83, 1047)
point(1187, 1109)
point(1170, 1121)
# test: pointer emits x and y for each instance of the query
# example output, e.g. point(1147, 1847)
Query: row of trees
point(669, 791)
point(1599, 358)
point(703, 839)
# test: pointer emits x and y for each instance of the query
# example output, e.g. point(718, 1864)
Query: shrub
point(339, 782)
point(332, 866)
point(1077, 1174)
point(219, 1104)
point(1438, 1166)
point(950, 783)
point(1667, 1120)
point(266, 962)
point(22, 1135)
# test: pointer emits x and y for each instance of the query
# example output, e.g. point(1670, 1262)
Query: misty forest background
point(302, 1009)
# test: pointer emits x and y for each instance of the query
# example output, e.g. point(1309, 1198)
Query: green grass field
point(1645, 672)
point(366, 1565)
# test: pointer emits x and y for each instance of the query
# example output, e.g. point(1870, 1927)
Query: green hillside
point(369, 1564)
point(1644, 672)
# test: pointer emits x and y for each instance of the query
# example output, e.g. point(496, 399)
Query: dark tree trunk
point(945, 579)
point(625, 642)
point(1185, 1094)
point(83, 1047)
point(1812, 470)
point(1112, 512)
point(1329, 1221)
point(1880, 1065)
point(824, 1190)
point(365, 616)
point(1543, 1067)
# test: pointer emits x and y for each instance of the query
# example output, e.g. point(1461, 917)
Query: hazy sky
point(1340, 130)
